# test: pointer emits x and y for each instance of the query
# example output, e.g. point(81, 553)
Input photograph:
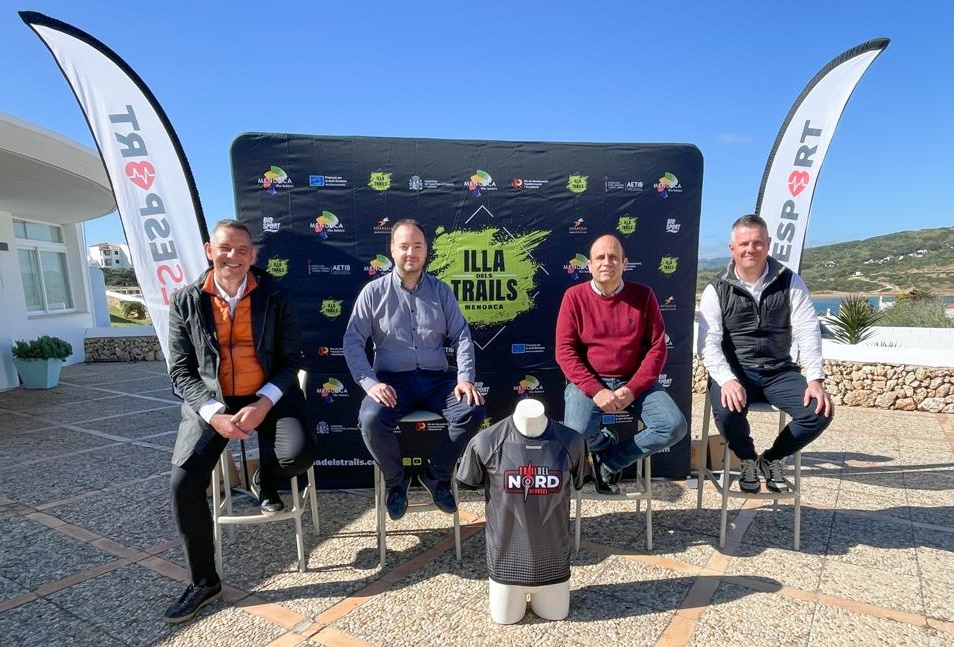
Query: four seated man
point(610, 345)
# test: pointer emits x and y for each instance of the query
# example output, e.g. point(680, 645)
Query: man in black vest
point(748, 318)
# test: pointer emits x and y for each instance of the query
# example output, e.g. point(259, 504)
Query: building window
point(43, 267)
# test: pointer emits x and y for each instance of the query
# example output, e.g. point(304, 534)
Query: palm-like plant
point(855, 320)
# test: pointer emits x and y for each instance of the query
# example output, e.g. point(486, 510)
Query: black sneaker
point(749, 476)
point(441, 493)
point(774, 474)
point(604, 479)
point(397, 499)
point(269, 501)
point(189, 603)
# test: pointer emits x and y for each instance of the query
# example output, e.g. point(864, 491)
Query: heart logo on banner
point(797, 182)
point(142, 174)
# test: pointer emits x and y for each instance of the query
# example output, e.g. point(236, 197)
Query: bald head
point(607, 262)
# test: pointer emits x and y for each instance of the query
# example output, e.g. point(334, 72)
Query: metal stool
point(381, 489)
point(723, 482)
point(644, 491)
point(222, 508)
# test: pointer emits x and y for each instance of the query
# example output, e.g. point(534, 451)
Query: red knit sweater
point(618, 336)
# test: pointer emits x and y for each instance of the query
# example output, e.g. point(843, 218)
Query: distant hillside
point(887, 264)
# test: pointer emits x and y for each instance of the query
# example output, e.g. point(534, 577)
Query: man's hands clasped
point(240, 425)
point(609, 401)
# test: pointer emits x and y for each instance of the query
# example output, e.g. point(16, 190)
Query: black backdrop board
point(509, 226)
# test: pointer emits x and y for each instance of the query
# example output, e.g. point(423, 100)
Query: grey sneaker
point(774, 474)
point(749, 477)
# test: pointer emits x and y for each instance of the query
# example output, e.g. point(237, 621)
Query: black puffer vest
point(756, 336)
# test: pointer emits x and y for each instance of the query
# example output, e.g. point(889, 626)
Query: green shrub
point(134, 310)
point(855, 320)
point(44, 347)
point(916, 313)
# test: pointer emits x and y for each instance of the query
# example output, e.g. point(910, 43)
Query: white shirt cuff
point(209, 409)
point(271, 392)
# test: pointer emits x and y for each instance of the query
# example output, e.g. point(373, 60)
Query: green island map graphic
point(490, 271)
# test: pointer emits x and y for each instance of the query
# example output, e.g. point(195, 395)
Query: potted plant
point(39, 360)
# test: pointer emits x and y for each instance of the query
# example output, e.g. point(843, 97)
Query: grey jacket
point(194, 351)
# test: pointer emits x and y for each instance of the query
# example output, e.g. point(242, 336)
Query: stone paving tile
point(938, 597)
point(597, 621)
point(29, 563)
point(875, 543)
point(929, 480)
point(137, 525)
point(9, 589)
point(777, 529)
point(935, 552)
point(167, 439)
point(872, 585)
point(144, 384)
point(938, 516)
point(35, 401)
point(788, 567)
point(118, 463)
point(41, 624)
point(76, 413)
point(735, 611)
point(47, 444)
point(836, 627)
point(19, 530)
point(127, 602)
point(12, 423)
point(686, 547)
point(106, 374)
point(892, 503)
point(36, 483)
point(137, 425)
point(645, 585)
point(224, 627)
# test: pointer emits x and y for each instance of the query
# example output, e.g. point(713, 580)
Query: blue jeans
point(785, 390)
point(664, 422)
point(428, 390)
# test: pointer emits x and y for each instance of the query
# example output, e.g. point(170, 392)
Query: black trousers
point(287, 448)
point(785, 390)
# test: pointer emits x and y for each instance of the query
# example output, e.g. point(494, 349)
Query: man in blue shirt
point(410, 316)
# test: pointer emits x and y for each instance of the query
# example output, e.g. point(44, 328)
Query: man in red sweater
point(611, 346)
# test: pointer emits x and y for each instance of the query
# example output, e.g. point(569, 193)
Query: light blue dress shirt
point(409, 330)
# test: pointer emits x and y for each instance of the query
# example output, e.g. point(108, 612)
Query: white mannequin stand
point(508, 603)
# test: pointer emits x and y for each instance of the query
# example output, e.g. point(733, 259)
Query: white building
point(110, 255)
point(48, 186)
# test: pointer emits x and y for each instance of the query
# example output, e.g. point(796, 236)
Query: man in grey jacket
point(234, 345)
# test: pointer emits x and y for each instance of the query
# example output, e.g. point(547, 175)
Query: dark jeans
point(428, 390)
point(785, 390)
point(287, 448)
point(664, 422)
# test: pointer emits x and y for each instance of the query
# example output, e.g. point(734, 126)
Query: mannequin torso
point(508, 602)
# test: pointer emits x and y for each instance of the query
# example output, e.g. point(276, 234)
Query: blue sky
point(720, 75)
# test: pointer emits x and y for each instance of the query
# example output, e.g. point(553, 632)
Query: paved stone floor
point(88, 552)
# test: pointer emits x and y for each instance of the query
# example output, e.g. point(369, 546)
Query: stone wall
point(902, 387)
point(123, 349)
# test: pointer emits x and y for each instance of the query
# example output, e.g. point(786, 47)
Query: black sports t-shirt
point(527, 483)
